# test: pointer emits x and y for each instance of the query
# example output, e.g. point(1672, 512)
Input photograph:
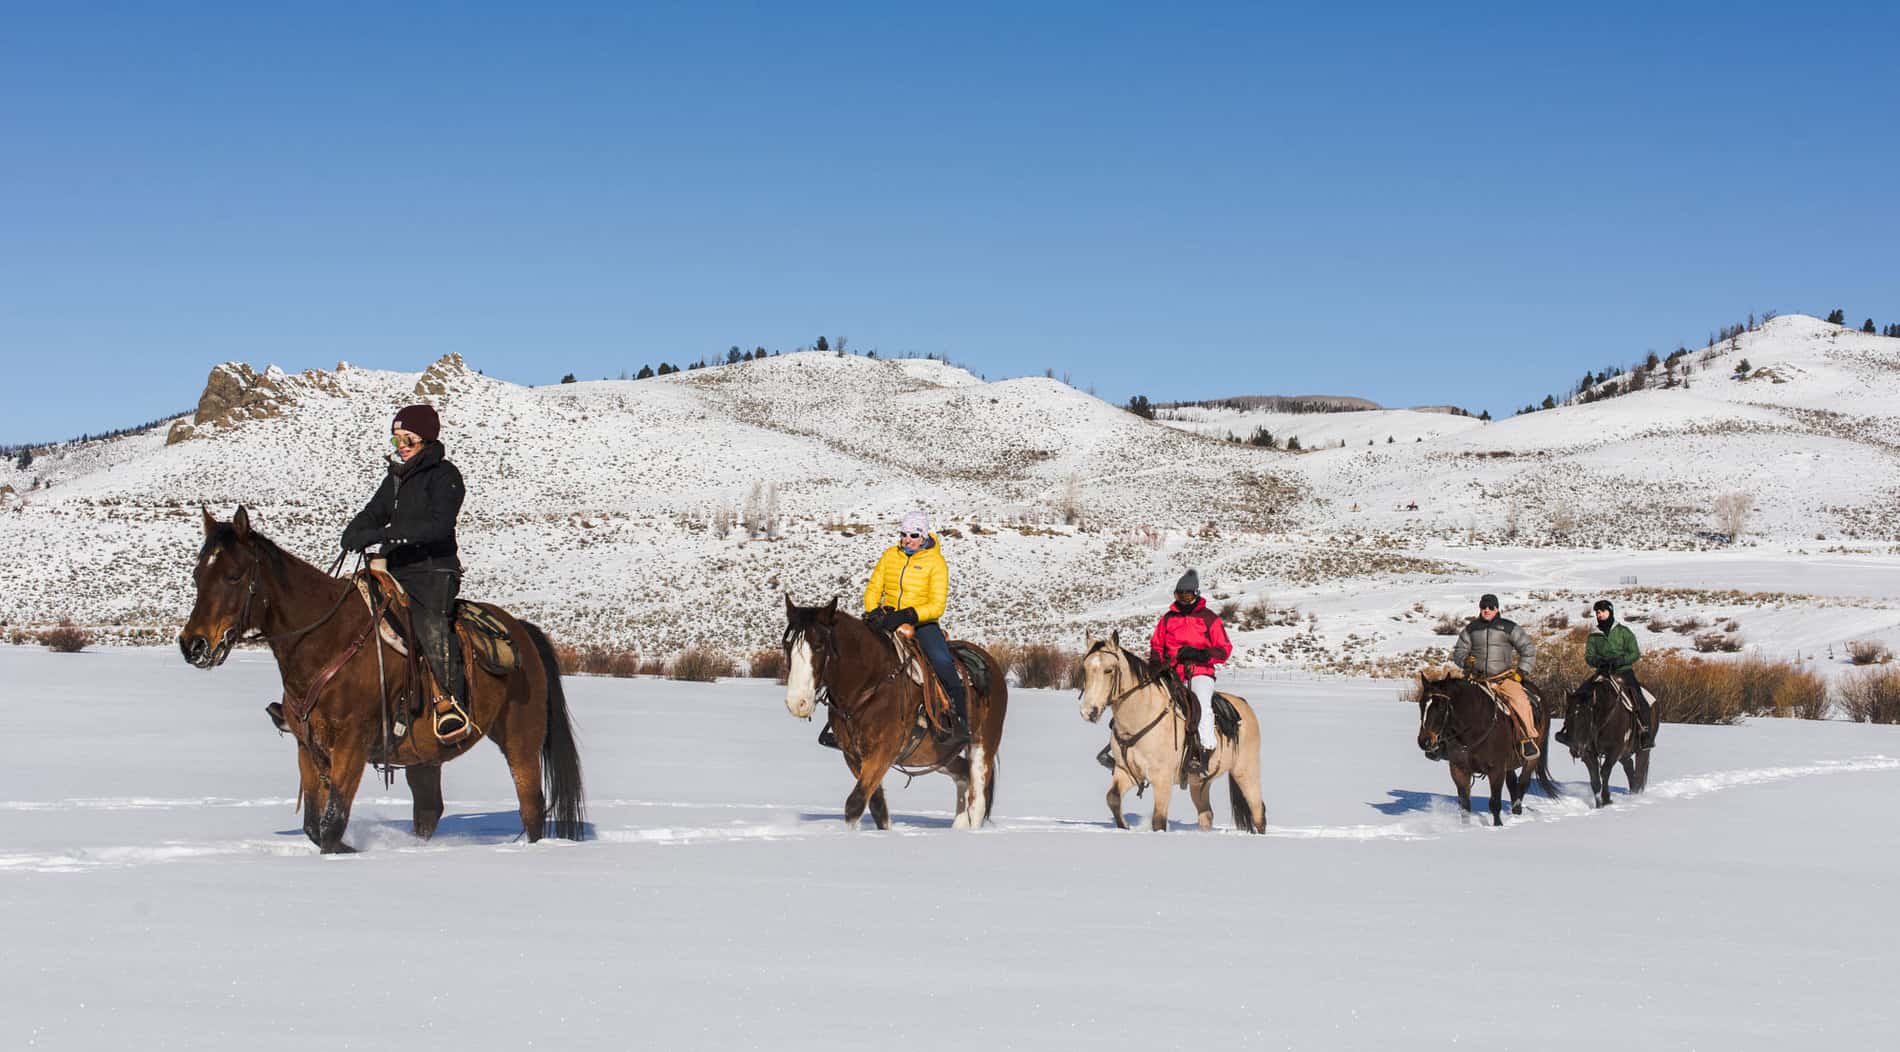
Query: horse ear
point(833, 605)
point(789, 607)
point(241, 522)
point(210, 523)
point(1088, 642)
point(1115, 639)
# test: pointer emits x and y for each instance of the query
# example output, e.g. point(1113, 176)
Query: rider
point(412, 516)
point(1612, 651)
point(1501, 653)
point(911, 586)
point(1190, 639)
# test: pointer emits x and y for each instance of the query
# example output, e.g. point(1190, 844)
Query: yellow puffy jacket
point(920, 581)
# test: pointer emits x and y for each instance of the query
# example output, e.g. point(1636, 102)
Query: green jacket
point(1618, 645)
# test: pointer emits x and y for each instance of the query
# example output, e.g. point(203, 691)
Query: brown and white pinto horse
point(327, 652)
point(834, 659)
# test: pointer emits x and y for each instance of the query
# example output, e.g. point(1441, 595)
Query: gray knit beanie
point(1189, 582)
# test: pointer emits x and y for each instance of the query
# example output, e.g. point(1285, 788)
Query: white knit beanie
point(915, 522)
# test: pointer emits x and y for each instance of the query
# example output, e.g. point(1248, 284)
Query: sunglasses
point(911, 536)
point(397, 441)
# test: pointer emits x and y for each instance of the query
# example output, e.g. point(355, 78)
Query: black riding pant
point(431, 606)
point(935, 647)
point(1643, 712)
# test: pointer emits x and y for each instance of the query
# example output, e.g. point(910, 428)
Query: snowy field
point(156, 891)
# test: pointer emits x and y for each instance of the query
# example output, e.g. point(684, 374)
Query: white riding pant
point(1203, 688)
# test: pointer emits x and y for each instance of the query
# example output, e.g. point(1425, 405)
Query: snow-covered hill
point(656, 513)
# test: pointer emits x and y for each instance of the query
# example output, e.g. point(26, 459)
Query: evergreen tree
point(25, 459)
point(568, 379)
point(1293, 444)
point(1867, 326)
point(1486, 415)
point(1837, 316)
point(1550, 402)
point(645, 373)
point(1741, 367)
point(821, 345)
point(1140, 406)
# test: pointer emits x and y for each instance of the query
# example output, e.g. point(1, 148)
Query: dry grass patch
point(700, 664)
point(66, 638)
point(1871, 695)
point(768, 664)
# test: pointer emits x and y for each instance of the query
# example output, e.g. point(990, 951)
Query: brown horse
point(1603, 733)
point(330, 659)
point(833, 658)
point(1460, 723)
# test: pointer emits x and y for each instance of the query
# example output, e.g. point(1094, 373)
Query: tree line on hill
point(735, 355)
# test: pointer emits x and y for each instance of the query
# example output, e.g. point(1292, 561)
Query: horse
point(1459, 722)
point(835, 659)
point(1147, 753)
point(337, 689)
point(1603, 733)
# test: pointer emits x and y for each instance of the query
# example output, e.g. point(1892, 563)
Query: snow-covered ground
point(156, 891)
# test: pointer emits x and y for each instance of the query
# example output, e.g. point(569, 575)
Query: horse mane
point(225, 535)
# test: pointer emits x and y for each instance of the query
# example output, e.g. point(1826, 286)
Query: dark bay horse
point(1603, 734)
point(330, 658)
point(833, 658)
point(1460, 723)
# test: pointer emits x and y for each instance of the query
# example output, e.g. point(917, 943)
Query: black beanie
point(418, 420)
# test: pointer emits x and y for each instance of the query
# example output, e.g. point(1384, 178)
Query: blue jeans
point(935, 647)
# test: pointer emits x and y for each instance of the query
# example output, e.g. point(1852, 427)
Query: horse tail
point(560, 758)
point(1544, 780)
point(1243, 811)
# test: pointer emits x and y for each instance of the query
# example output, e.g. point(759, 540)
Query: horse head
point(810, 644)
point(1434, 713)
point(226, 578)
point(1104, 665)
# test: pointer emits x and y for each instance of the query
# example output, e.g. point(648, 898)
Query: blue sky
point(1409, 204)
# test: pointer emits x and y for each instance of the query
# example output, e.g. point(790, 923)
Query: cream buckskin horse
point(1150, 739)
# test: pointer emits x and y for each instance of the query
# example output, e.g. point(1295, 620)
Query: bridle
point(242, 630)
point(1449, 737)
point(1125, 660)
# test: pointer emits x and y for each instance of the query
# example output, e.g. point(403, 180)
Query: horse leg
point(1497, 797)
point(982, 766)
point(1461, 780)
point(1118, 784)
point(1517, 781)
point(1602, 780)
point(880, 811)
point(308, 787)
point(870, 772)
point(1164, 791)
point(347, 760)
point(425, 786)
point(959, 772)
point(1203, 807)
point(524, 767)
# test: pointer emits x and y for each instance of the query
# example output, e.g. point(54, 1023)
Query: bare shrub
point(1557, 620)
point(1229, 610)
point(1041, 665)
point(1562, 521)
point(1871, 695)
point(699, 664)
point(1685, 626)
point(1731, 514)
point(66, 638)
point(1560, 665)
point(1778, 688)
point(768, 664)
point(1716, 643)
point(1693, 690)
point(622, 664)
point(1448, 625)
point(567, 657)
point(653, 667)
point(1868, 652)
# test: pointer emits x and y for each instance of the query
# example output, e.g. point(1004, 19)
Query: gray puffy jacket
point(1500, 646)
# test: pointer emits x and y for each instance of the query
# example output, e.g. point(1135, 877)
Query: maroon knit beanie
point(419, 420)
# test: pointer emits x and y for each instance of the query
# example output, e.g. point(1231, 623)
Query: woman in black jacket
point(413, 516)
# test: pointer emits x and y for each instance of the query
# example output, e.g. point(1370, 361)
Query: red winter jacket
point(1196, 626)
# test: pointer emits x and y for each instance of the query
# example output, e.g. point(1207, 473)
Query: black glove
point(1191, 656)
point(360, 540)
point(906, 616)
point(874, 619)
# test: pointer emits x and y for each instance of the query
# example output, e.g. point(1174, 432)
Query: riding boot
point(1106, 757)
point(275, 710)
point(1563, 736)
point(828, 737)
point(1645, 722)
point(452, 721)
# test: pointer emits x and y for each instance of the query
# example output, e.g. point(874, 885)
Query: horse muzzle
point(202, 653)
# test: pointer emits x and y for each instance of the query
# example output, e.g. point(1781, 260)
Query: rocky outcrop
point(442, 379)
point(234, 393)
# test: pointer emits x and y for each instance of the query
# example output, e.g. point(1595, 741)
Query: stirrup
point(451, 721)
point(1530, 749)
point(828, 737)
point(1106, 757)
point(1198, 760)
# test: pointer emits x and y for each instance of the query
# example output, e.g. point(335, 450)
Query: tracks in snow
point(781, 821)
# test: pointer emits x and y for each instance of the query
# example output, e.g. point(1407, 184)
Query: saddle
point(1226, 717)
point(485, 641)
point(938, 714)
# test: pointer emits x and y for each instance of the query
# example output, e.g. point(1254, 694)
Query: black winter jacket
point(413, 514)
